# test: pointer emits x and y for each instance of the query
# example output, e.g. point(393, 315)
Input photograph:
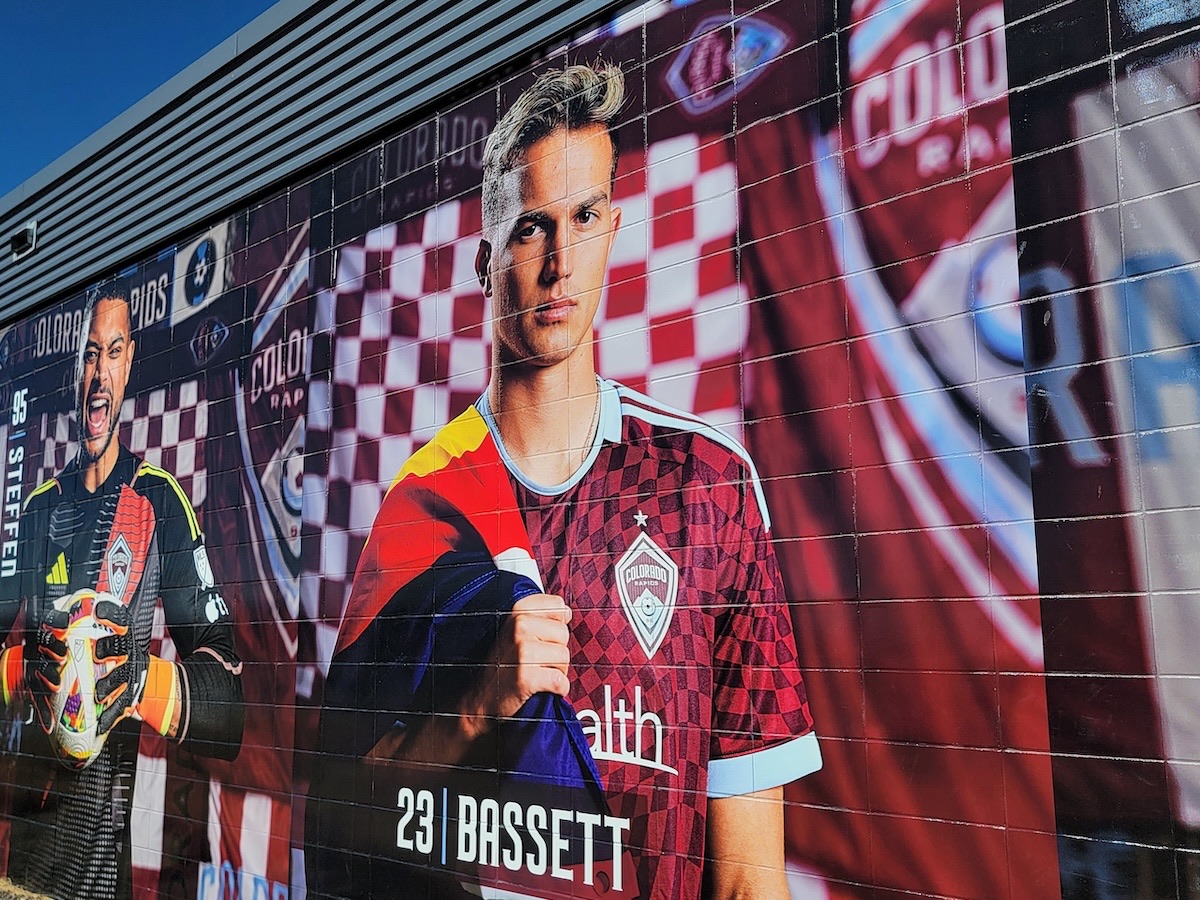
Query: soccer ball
point(75, 708)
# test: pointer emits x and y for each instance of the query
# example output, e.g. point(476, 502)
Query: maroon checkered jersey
point(684, 671)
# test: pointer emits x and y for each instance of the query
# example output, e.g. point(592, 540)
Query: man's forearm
point(441, 738)
point(531, 656)
point(212, 714)
point(744, 856)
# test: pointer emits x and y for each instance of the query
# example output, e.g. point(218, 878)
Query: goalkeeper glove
point(43, 666)
point(140, 684)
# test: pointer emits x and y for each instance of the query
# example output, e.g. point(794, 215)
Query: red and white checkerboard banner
point(410, 347)
point(166, 427)
point(674, 321)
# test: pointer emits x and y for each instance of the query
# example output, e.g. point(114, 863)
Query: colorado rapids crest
point(119, 559)
point(648, 582)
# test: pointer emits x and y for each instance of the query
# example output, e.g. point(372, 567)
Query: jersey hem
point(764, 769)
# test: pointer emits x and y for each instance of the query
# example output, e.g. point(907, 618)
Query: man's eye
point(90, 356)
point(588, 217)
point(529, 232)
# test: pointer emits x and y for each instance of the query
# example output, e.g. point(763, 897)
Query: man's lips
point(555, 310)
point(97, 415)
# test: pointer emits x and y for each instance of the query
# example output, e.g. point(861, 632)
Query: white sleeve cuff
point(764, 769)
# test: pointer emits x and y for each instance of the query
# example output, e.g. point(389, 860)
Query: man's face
point(543, 258)
point(107, 356)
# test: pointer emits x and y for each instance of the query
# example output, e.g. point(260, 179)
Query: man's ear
point(483, 262)
point(615, 218)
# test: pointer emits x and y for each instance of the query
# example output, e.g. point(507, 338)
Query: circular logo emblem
point(200, 271)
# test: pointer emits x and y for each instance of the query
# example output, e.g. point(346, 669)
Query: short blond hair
point(574, 97)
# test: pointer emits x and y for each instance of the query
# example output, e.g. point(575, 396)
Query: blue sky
point(68, 67)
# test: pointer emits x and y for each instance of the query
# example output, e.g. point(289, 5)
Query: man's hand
point(121, 689)
point(530, 657)
point(44, 662)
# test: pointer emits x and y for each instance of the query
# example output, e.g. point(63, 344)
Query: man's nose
point(560, 257)
point(104, 370)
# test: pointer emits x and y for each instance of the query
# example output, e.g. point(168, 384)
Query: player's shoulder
point(45, 494)
point(712, 457)
point(164, 491)
point(669, 428)
point(150, 477)
point(462, 435)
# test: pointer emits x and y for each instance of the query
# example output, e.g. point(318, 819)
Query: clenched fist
point(531, 656)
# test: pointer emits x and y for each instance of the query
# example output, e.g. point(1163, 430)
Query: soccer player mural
point(195, 384)
point(114, 539)
point(755, 281)
point(560, 466)
point(570, 537)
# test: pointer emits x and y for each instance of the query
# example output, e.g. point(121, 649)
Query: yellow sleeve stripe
point(40, 489)
point(166, 476)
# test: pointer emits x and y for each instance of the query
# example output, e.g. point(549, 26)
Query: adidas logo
point(58, 573)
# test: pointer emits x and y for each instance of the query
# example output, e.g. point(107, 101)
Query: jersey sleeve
point(762, 733)
point(198, 619)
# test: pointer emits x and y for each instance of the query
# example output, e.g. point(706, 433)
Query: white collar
point(608, 428)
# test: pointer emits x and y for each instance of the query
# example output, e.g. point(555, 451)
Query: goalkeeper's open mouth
point(98, 416)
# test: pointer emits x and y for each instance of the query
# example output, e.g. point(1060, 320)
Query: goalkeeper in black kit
point(116, 534)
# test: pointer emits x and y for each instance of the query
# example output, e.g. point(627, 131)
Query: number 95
point(20, 406)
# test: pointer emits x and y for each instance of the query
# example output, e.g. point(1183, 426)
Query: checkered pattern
point(673, 323)
point(165, 426)
point(410, 350)
point(58, 444)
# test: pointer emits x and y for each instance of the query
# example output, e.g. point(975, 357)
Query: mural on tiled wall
point(799, 506)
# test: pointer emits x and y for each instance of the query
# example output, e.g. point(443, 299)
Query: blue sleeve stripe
point(764, 769)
